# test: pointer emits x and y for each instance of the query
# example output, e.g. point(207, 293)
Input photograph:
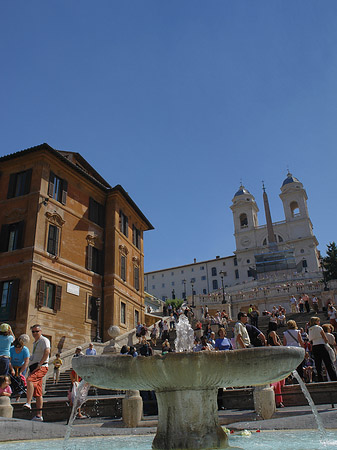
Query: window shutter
point(138, 239)
point(64, 192)
point(4, 238)
point(126, 227)
point(28, 181)
point(14, 299)
point(57, 302)
point(51, 184)
point(89, 257)
point(11, 185)
point(133, 235)
point(136, 276)
point(101, 215)
point(91, 209)
point(40, 294)
point(20, 230)
point(120, 221)
point(100, 262)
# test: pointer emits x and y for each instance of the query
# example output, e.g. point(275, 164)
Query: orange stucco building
point(67, 239)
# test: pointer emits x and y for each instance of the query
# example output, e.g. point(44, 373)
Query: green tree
point(330, 262)
point(176, 303)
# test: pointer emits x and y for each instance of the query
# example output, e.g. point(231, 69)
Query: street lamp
point(192, 294)
point(222, 273)
point(98, 306)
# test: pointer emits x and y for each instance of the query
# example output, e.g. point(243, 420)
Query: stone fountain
point(186, 386)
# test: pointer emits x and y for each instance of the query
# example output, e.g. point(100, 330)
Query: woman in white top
point(292, 338)
point(319, 350)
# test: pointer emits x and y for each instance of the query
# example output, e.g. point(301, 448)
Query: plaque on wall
point(73, 289)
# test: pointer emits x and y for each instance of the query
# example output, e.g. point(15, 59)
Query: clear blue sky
point(178, 101)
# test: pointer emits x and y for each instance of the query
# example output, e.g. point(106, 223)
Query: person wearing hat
point(78, 352)
point(6, 339)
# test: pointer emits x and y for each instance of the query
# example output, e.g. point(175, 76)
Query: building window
point(153, 286)
point(136, 277)
point(248, 261)
point(19, 183)
point(53, 240)
point(162, 275)
point(94, 259)
point(204, 291)
point(123, 313)
point(235, 261)
point(172, 284)
point(163, 285)
point(172, 273)
point(11, 236)
point(295, 210)
point(123, 223)
point(136, 317)
point(49, 295)
point(192, 280)
point(92, 308)
point(57, 188)
point(9, 296)
point(203, 277)
point(243, 220)
point(123, 267)
point(236, 273)
point(152, 277)
point(213, 271)
point(181, 271)
point(96, 212)
point(215, 284)
point(202, 267)
point(224, 263)
point(136, 235)
point(304, 263)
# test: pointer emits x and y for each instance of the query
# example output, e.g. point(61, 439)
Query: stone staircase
point(60, 390)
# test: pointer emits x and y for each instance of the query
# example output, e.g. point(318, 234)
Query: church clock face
point(245, 241)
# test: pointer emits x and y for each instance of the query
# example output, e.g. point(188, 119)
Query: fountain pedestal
point(132, 409)
point(188, 419)
point(186, 385)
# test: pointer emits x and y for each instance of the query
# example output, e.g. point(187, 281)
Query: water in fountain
point(185, 335)
point(80, 397)
point(318, 419)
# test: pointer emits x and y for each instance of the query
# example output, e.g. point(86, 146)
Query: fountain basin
point(186, 386)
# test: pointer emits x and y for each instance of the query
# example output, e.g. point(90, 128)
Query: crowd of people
point(23, 373)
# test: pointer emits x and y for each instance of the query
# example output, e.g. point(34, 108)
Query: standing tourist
point(292, 338)
point(320, 353)
point(91, 351)
point(332, 313)
point(57, 366)
point(315, 304)
point(240, 332)
point(6, 339)
point(254, 317)
point(19, 361)
point(293, 304)
point(38, 368)
point(301, 304)
point(306, 302)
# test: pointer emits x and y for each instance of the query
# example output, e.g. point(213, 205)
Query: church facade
point(274, 251)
